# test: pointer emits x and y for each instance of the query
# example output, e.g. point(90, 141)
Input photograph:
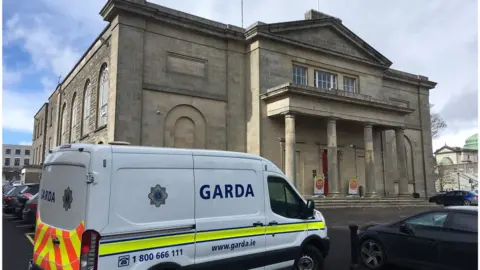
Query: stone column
point(371, 189)
point(333, 185)
point(290, 147)
point(401, 163)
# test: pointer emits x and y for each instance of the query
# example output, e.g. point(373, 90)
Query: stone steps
point(345, 202)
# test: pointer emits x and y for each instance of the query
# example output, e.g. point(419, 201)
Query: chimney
point(315, 15)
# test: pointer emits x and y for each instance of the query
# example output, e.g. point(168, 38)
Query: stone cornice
point(334, 95)
point(173, 17)
point(409, 78)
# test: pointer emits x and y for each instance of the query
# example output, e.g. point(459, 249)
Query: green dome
point(471, 143)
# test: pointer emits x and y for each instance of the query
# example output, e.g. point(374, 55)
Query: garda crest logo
point(67, 199)
point(158, 195)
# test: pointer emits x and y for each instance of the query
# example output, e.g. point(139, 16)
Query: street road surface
point(18, 237)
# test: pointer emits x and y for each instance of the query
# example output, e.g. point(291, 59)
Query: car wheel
point(310, 259)
point(466, 202)
point(372, 254)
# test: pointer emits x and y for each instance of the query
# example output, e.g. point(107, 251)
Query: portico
point(328, 108)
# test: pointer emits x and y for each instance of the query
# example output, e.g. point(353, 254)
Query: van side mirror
point(309, 209)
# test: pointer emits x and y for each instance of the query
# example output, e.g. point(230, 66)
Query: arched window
point(103, 85)
point(74, 119)
point(86, 109)
point(63, 128)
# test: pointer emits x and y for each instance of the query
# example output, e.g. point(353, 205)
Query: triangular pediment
point(330, 35)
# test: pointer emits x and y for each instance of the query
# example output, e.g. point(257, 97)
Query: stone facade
point(177, 80)
point(39, 134)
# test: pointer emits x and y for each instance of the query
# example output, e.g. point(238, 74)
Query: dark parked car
point(29, 214)
point(444, 238)
point(22, 198)
point(12, 199)
point(8, 206)
point(457, 197)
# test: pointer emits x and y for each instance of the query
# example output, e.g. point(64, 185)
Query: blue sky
point(43, 39)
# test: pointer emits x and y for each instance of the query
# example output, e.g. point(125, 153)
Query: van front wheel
point(311, 259)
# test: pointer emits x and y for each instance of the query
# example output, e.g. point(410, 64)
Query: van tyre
point(310, 259)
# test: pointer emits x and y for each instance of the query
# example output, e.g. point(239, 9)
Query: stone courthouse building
point(310, 95)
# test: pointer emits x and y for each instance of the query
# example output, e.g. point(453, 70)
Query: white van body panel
point(186, 207)
point(228, 197)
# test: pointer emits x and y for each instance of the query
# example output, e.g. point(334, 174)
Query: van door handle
point(258, 223)
point(273, 223)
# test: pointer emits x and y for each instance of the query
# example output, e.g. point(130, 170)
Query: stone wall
point(39, 136)
point(192, 88)
point(84, 77)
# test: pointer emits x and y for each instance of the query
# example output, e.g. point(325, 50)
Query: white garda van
point(128, 207)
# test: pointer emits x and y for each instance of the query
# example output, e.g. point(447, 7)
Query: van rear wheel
point(310, 259)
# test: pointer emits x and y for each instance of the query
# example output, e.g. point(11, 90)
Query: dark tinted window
point(18, 151)
point(465, 222)
point(450, 193)
point(32, 189)
point(283, 200)
point(434, 219)
point(16, 190)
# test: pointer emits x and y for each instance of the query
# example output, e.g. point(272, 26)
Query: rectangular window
point(299, 75)
point(349, 84)
point(325, 80)
point(283, 200)
point(8, 151)
point(26, 161)
point(41, 126)
point(18, 151)
point(27, 152)
point(16, 162)
point(7, 162)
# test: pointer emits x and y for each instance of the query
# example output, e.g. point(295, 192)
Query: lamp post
point(458, 176)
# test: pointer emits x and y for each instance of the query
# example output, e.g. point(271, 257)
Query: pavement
point(18, 237)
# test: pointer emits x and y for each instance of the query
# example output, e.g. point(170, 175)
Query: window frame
point(74, 118)
point(15, 163)
point(296, 75)
point(63, 123)
point(27, 152)
point(102, 96)
point(444, 225)
point(5, 162)
point(8, 151)
point(18, 151)
point(354, 79)
point(332, 79)
point(86, 105)
point(26, 161)
point(286, 186)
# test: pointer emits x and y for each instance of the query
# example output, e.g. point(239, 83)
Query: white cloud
point(25, 143)
point(18, 109)
point(48, 49)
point(438, 39)
point(455, 138)
point(10, 77)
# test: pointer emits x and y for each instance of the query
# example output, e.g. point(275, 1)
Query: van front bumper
point(326, 245)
